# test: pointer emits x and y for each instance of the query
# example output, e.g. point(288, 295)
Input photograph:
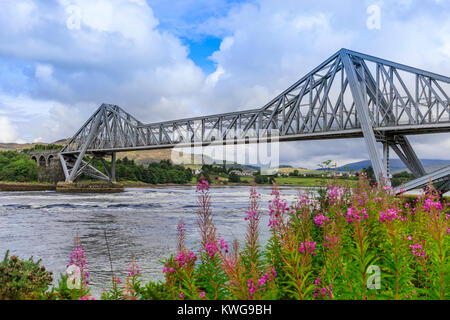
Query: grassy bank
point(26, 186)
point(89, 187)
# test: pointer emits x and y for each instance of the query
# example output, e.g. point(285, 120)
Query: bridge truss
point(349, 95)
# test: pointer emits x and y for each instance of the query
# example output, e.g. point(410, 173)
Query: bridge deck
point(435, 176)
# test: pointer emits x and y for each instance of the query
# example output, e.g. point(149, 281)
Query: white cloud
point(8, 132)
point(18, 16)
point(43, 71)
point(117, 55)
point(212, 79)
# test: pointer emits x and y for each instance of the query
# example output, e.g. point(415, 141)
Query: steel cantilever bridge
point(349, 95)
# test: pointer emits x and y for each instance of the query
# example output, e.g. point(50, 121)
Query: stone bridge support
point(44, 158)
point(49, 165)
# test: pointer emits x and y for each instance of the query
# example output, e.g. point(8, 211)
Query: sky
point(164, 60)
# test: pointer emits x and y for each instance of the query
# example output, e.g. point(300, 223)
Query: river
point(140, 222)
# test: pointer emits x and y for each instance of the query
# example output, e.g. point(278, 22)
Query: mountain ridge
point(396, 165)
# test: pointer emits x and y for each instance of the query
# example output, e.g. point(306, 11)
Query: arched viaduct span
point(349, 95)
point(44, 158)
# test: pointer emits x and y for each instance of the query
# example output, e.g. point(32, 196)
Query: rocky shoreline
point(91, 187)
point(23, 186)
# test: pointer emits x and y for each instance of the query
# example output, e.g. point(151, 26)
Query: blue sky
point(162, 60)
point(200, 51)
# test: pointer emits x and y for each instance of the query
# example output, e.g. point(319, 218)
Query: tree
point(233, 177)
point(259, 179)
point(325, 165)
point(295, 173)
point(401, 177)
point(370, 174)
point(16, 166)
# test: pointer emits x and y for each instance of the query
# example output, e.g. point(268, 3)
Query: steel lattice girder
point(349, 95)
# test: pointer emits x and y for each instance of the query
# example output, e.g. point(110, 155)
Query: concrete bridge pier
point(386, 158)
point(113, 167)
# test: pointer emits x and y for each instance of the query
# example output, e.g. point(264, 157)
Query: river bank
point(103, 187)
point(63, 187)
point(26, 186)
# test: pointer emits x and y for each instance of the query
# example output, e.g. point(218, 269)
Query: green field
point(290, 181)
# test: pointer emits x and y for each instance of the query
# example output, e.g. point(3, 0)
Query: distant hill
point(141, 157)
point(21, 146)
point(144, 157)
point(396, 165)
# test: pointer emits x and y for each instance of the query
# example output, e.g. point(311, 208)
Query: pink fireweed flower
point(265, 278)
point(273, 223)
point(323, 292)
point(275, 192)
point(262, 281)
point(417, 250)
point(192, 256)
point(133, 269)
point(390, 214)
point(211, 249)
point(202, 294)
point(77, 258)
point(353, 214)
point(308, 247)
point(335, 193)
point(251, 215)
point(320, 220)
point(202, 185)
point(429, 204)
point(181, 295)
point(276, 208)
point(331, 242)
point(251, 288)
point(364, 212)
point(224, 245)
point(185, 258)
point(181, 259)
point(181, 227)
point(168, 270)
point(377, 199)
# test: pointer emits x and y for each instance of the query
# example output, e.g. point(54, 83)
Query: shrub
point(23, 279)
point(233, 177)
point(19, 167)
